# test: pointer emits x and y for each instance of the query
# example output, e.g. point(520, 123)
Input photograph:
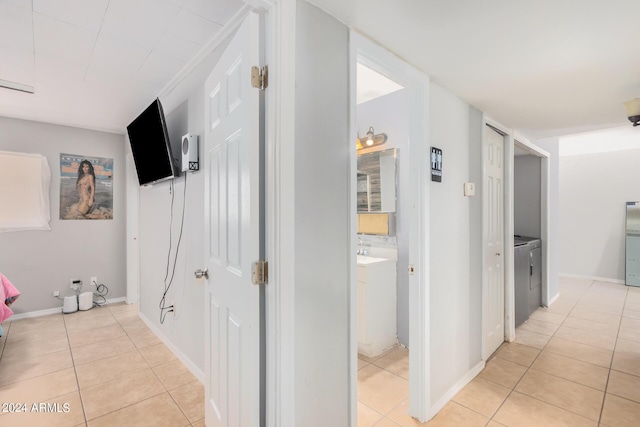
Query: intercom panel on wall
point(190, 161)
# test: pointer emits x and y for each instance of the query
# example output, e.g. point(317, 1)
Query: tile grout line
point(582, 295)
point(126, 406)
point(384, 415)
point(494, 356)
point(39, 375)
point(67, 331)
point(75, 372)
point(540, 350)
point(154, 372)
point(516, 384)
point(138, 351)
point(604, 392)
point(58, 370)
point(568, 357)
point(606, 386)
point(533, 361)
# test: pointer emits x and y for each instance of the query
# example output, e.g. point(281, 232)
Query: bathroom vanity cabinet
point(376, 305)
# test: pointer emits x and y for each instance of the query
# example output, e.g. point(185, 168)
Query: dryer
point(528, 276)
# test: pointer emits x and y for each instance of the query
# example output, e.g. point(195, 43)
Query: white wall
point(593, 192)
point(40, 262)
point(552, 146)
point(455, 243)
point(526, 195)
point(390, 114)
point(184, 112)
point(322, 216)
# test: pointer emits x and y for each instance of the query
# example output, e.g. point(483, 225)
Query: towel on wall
point(8, 294)
point(25, 206)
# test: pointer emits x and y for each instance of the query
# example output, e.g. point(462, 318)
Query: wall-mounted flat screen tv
point(151, 147)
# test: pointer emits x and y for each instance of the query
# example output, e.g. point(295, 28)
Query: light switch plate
point(469, 189)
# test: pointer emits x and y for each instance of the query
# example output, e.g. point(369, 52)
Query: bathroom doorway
point(382, 117)
point(388, 297)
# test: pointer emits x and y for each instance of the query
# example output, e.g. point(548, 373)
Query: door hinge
point(260, 77)
point(260, 272)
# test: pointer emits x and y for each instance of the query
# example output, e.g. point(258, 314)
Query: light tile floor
point(105, 364)
point(576, 363)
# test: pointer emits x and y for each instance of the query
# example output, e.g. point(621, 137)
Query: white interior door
point(233, 234)
point(494, 252)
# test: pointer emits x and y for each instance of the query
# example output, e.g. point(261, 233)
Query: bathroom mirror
point(376, 181)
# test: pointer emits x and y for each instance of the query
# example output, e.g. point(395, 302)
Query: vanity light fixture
point(633, 111)
point(6, 84)
point(371, 140)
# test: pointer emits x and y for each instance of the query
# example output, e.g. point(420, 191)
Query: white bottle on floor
point(70, 304)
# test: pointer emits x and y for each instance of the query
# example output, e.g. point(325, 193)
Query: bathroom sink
point(364, 260)
point(376, 310)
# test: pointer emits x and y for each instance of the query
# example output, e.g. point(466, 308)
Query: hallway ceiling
point(98, 63)
point(542, 67)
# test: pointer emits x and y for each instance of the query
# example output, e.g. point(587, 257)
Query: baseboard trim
point(37, 313)
point(131, 301)
point(471, 374)
point(54, 310)
point(175, 350)
point(594, 278)
point(554, 299)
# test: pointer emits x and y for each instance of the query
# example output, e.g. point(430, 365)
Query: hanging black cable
point(164, 310)
point(162, 303)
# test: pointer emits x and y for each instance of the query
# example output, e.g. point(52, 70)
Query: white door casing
point(494, 238)
point(233, 233)
point(133, 250)
point(373, 56)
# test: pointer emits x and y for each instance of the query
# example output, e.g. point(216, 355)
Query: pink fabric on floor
point(7, 290)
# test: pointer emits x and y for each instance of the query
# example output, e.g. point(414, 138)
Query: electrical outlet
point(56, 293)
point(94, 280)
point(173, 304)
point(75, 283)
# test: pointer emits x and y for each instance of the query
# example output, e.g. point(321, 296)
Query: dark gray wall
point(526, 197)
point(40, 262)
point(322, 216)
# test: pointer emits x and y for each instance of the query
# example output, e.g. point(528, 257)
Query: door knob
point(200, 273)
